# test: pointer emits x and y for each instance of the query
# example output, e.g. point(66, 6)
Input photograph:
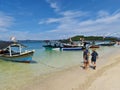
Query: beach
point(105, 77)
point(46, 44)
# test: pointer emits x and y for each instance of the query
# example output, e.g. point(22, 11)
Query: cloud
point(5, 20)
point(3, 29)
point(102, 13)
point(66, 17)
point(53, 4)
point(102, 20)
point(20, 35)
point(50, 20)
point(78, 22)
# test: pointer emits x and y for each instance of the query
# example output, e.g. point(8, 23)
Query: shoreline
point(74, 78)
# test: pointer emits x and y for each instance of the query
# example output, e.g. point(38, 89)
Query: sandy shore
point(105, 77)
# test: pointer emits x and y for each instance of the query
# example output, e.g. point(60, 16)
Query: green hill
point(89, 38)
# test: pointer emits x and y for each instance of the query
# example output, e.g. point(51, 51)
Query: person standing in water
point(94, 55)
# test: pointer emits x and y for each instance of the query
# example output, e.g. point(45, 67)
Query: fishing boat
point(93, 45)
point(70, 47)
point(12, 51)
point(52, 45)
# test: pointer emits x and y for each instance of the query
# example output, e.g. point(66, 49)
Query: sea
point(14, 75)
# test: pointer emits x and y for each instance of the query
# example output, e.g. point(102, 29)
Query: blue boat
point(71, 48)
point(12, 51)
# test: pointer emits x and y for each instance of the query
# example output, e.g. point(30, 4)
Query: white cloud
point(18, 34)
point(49, 20)
point(3, 29)
point(67, 16)
point(78, 22)
point(103, 20)
point(53, 5)
point(5, 21)
point(103, 13)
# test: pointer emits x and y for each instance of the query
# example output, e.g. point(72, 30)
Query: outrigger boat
point(12, 51)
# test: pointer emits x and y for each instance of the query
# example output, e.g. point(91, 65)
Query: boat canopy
point(6, 44)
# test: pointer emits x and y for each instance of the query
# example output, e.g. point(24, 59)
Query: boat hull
point(23, 57)
point(72, 49)
point(50, 47)
point(107, 44)
point(94, 46)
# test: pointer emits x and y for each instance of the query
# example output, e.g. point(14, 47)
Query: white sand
point(109, 80)
point(105, 77)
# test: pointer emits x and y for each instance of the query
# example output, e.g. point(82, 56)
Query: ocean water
point(14, 75)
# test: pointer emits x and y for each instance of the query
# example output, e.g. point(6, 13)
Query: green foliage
point(77, 38)
point(89, 38)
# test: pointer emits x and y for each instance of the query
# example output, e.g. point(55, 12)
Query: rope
point(49, 66)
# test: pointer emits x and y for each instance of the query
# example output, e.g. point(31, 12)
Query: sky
point(58, 19)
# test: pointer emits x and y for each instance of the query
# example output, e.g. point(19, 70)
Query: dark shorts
point(86, 58)
point(93, 60)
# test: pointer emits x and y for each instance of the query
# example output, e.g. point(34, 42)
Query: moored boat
point(72, 48)
point(108, 44)
point(52, 45)
point(12, 51)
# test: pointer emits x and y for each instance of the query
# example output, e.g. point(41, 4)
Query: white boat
point(12, 51)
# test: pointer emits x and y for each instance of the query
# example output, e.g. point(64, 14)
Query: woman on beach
point(86, 54)
point(94, 55)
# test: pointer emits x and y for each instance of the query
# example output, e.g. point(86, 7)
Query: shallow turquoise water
point(13, 75)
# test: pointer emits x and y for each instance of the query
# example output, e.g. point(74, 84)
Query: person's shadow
point(82, 67)
point(88, 67)
point(91, 66)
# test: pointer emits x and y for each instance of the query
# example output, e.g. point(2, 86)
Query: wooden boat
point(12, 51)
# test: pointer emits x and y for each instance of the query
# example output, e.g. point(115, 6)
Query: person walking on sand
point(94, 55)
point(86, 54)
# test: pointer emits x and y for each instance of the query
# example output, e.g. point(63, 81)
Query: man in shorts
point(94, 55)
